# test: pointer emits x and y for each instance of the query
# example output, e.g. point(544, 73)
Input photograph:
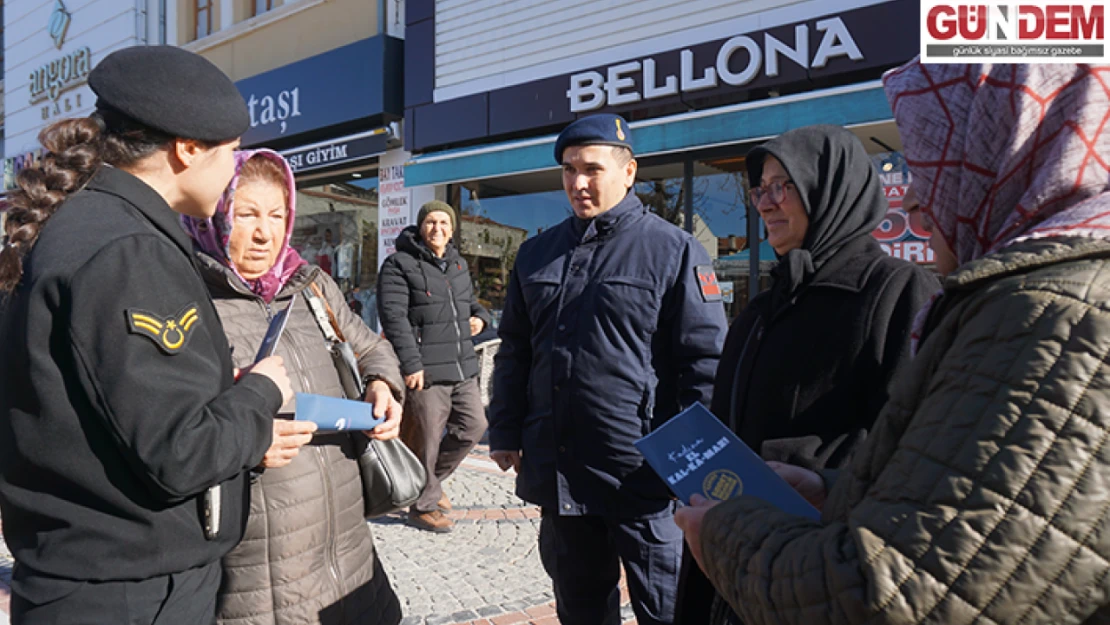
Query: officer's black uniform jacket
point(605, 335)
point(117, 402)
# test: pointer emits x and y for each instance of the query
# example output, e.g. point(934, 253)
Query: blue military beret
point(172, 90)
point(602, 129)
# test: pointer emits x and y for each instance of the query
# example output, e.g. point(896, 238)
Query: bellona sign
point(738, 61)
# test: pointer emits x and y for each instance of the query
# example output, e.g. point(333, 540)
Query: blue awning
point(862, 103)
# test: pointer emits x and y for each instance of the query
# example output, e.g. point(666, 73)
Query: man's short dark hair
point(622, 154)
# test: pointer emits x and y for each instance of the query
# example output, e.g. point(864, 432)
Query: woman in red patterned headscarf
point(983, 493)
point(1006, 153)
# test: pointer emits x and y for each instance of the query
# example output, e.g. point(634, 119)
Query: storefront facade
point(486, 93)
point(322, 80)
point(48, 53)
point(333, 116)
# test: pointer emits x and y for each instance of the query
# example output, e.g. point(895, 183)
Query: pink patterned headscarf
point(213, 235)
point(1005, 153)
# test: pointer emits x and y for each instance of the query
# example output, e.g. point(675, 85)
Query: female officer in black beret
point(124, 436)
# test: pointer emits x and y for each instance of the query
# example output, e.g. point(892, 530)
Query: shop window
point(900, 235)
point(336, 228)
point(719, 220)
point(720, 224)
point(261, 6)
point(491, 230)
point(203, 15)
point(496, 219)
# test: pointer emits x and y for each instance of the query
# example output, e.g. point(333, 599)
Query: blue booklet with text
point(274, 332)
point(331, 414)
point(696, 454)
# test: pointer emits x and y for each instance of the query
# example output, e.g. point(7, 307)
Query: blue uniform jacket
point(605, 335)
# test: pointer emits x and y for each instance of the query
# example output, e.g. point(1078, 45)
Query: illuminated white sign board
point(47, 70)
point(593, 90)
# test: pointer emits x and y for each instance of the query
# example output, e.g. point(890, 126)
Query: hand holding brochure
point(273, 333)
point(331, 414)
point(696, 454)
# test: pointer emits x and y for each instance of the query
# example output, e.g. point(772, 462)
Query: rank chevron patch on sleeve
point(170, 334)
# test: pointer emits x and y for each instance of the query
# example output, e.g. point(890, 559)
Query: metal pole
point(753, 250)
point(142, 29)
point(688, 193)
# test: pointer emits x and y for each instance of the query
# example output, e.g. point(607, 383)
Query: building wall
point(703, 234)
point(100, 25)
point(245, 45)
point(480, 71)
point(482, 45)
point(483, 237)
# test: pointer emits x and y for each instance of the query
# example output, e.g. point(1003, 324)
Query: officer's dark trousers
point(186, 598)
point(583, 554)
point(456, 407)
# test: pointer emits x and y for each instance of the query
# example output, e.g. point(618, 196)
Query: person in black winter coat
point(428, 312)
point(805, 367)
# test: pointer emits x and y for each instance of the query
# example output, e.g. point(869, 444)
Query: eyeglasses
point(776, 192)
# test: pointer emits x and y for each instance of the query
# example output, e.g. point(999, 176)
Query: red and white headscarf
point(1006, 153)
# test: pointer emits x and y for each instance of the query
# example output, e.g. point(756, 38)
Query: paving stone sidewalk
point(487, 571)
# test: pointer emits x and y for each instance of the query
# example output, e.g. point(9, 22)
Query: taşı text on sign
point(269, 109)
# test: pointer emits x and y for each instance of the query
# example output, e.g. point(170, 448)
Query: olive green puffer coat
point(307, 555)
point(983, 493)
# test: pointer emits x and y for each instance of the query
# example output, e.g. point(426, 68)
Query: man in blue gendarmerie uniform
point(613, 323)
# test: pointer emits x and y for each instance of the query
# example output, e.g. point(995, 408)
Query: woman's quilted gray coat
point(307, 555)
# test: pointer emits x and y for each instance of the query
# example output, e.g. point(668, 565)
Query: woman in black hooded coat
point(805, 367)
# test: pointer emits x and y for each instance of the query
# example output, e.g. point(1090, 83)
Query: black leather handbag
point(392, 476)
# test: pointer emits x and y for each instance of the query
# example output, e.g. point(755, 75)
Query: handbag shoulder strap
point(322, 312)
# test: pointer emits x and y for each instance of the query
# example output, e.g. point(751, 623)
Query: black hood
point(840, 190)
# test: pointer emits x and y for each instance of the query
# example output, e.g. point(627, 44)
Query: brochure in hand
point(273, 333)
point(331, 414)
point(696, 454)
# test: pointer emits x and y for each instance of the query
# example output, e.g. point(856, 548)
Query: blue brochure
point(696, 454)
point(331, 414)
point(273, 333)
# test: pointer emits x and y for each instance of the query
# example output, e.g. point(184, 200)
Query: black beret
point(602, 129)
point(172, 90)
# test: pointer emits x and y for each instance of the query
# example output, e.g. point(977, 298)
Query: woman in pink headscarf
point(307, 556)
point(983, 493)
